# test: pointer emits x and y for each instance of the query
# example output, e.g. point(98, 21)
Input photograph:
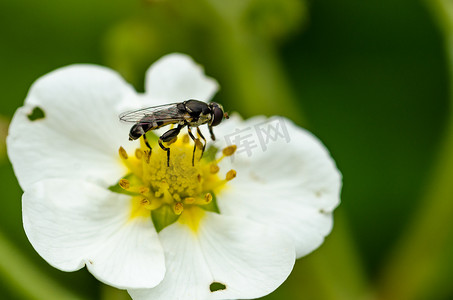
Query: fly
point(190, 113)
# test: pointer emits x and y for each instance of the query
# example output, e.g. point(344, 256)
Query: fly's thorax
point(200, 120)
point(165, 193)
point(196, 107)
point(197, 112)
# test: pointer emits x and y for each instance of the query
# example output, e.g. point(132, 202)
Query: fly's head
point(217, 114)
point(136, 132)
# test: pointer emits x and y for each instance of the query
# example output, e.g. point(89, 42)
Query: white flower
point(275, 195)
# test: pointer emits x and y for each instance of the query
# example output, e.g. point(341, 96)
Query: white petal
point(175, 78)
point(251, 260)
point(72, 223)
point(80, 134)
point(288, 181)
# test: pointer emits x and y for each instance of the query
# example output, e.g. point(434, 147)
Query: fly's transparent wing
point(168, 113)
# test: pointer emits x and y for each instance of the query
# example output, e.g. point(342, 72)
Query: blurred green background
point(370, 78)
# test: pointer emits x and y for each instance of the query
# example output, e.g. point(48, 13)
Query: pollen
point(230, 175)
point(228, 151)
point(214, 168)
point(123, 153)
point(177, 188)
point(208, 198)
point(138, 153)
point(178, 207)
point(124, 183)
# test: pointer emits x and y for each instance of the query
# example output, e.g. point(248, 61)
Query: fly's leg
point(195, 141)
point(147, 145)
point(211, 132)
point(202, 137)
point(165, 149)
point(167, 137)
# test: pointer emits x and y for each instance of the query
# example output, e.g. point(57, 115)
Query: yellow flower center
point(177, 191)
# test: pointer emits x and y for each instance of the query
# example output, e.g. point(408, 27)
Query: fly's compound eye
point(217, 114)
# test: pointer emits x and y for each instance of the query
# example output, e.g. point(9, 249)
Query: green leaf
point(163, 216)
point(210, 153)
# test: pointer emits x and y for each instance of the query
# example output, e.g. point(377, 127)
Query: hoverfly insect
point(190, 113)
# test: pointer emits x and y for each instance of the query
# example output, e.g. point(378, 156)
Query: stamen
point(213, 168)
point(143, 190)
point(123, 153)
point(230, 175)
point(178, 208)
point(138, 153)
point(203, 200)
point(124, 183)
point(150, 205)
point(145, 202)
point(189, 200)
point(228, 151)
point(208, 198)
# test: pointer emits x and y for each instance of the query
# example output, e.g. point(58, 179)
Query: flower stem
point(25, 279)
point(417, 261)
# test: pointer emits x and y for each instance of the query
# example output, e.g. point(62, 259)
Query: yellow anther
point(123, 153)
point(143, 190)
point(228, 151)
point(124, 183)
point(185, 139)
point(144, 201)
point(138, 153)
point(208, 198)
point(178, 208)
point(214, 168)
point(189, 200)
point(150, 205)
point(230, 175)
